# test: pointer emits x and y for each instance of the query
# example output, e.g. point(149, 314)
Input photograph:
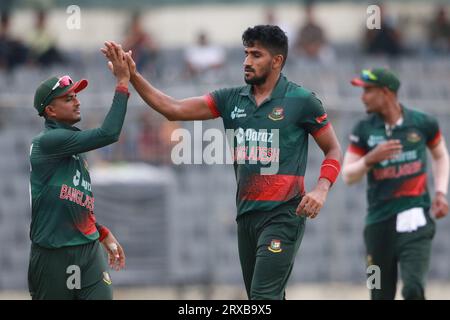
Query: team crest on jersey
point(413, 137)
point(107, 278)
point(277, 114)
point(275, 246)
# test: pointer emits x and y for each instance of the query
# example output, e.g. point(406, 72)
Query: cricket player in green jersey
point(271, 118)
point(66, 259)
point(390, 146)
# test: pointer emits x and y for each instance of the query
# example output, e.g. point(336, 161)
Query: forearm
point(102, 230)
point(156, 99)
point(334, 153)
point(331, 166)
point(440, 168)
point(112, 125)
point(355, 171)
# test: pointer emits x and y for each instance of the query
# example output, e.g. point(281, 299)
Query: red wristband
point(104, 231)
point(123, 90)
point(330, 170)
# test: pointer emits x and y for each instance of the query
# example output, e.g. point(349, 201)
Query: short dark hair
point(270, 37)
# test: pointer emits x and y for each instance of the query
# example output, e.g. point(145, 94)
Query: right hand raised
point(117, 63)
point(131, 64)
point(384, 151)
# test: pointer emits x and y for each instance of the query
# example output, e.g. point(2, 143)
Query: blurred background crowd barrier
point(177, 222)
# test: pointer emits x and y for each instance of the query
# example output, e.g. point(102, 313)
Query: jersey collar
point(53, 124)
point(406, 118)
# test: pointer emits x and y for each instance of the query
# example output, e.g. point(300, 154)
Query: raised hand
point(131, 64)
point(117, 63)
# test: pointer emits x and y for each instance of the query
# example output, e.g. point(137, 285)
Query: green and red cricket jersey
point(398, 184)
point(274, 132)
point(62, 202)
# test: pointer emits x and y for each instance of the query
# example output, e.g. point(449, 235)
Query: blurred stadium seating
point(177, 226)
point(188, 234)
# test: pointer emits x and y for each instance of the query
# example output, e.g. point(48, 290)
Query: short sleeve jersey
point(401, 183)
point(269, 142)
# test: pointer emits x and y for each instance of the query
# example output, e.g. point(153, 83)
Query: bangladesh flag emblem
point(277, 114)
point(275, 246)
point(413, 137)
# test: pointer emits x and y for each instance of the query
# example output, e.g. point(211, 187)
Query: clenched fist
point(313, 201)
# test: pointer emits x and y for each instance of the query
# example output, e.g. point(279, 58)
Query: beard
point(257, 81)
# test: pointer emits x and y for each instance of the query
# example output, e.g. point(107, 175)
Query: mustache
point(249, 69)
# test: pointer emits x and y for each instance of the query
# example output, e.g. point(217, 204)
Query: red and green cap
point(379, 77)
point(55, 87)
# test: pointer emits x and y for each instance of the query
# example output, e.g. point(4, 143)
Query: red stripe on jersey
point(321, 131)
point(87, 226)
point(434, 142)
point(412, 187)
point(353, 148)
point(272, 188)
point(322, 118)
point(212, 105)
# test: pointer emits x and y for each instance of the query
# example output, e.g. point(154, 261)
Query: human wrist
point(122, 82)
point(103, 232)
point(440, 192)
point(367, 162)
point(323, 185)
point(330, 170)
point(134, 76)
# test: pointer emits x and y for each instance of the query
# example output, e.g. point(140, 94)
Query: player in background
point(390, 147)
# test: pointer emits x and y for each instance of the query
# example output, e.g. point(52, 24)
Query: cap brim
point(76, 87)
point(358, 82)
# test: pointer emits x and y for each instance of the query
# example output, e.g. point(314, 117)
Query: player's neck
point(392, 113)
point(263, 91)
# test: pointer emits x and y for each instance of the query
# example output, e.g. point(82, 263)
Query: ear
point(388, 93)
point(50, 111)
point(278, 61)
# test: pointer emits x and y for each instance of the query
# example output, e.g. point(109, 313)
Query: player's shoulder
point(419, 116)
point(51, 136)
point(37, 138)
point(367, 122)
point(294, 90)
point(230, 91)
point(303, 98)
point(36, 147)
point(51, 132)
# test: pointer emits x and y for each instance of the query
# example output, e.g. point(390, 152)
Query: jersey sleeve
point(217, 101)
point(431, 130)
point(315, 119)
point(357, 142)
point(64, 142)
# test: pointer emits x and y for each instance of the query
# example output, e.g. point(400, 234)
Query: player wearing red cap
point(66, 260)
